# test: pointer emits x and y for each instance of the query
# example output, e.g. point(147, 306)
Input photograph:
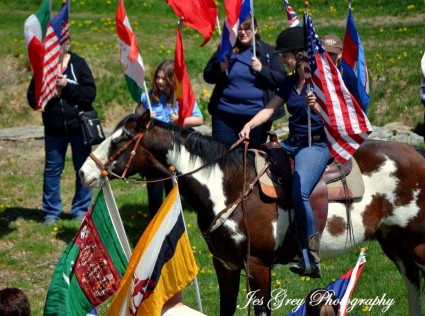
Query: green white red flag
point(131, 61)
point(90, 269)
point(34, 31)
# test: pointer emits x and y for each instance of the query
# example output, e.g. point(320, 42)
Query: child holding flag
point(164, 108)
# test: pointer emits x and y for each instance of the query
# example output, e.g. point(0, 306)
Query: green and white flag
point(131, 61)
point(90, 269)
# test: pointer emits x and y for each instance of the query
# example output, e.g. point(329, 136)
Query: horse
point(255, 231)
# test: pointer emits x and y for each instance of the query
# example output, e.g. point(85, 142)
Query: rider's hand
point(244, 133)
point(311, 102)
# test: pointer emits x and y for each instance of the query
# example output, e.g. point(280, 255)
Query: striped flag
point(34, 31)
point(90, 269)
point(237, 11)
point(131, 60)
point(52, 54)
point(291, 14)
point(346, 125)
point(199, 14)
point(354, 68)
point(342, 288)
point(65, 27)
point(182, 87)
point(162, 264)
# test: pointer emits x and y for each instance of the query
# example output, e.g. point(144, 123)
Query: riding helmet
point(290, 39)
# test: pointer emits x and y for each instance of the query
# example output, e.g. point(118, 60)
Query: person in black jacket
point(75, 91)
point(244, 84)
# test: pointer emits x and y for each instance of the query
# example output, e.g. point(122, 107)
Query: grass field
point(393, 36)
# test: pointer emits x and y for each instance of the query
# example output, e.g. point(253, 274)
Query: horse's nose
point(82, 175)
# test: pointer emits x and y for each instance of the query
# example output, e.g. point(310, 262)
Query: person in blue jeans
point(310, 161)
point(164, 108)
point(75, 92)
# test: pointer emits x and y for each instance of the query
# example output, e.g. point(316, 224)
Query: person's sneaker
point(50, 221)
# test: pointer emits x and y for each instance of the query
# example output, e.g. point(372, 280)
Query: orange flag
point(182, 87)
point(199, 14)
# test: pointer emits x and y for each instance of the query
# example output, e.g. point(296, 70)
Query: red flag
point(182, 87)
point(199, 14)
point(346, 125)
point(34, 30)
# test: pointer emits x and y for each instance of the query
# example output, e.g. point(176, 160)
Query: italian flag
point(34, 31)
point(131, 61)
point(90, 269)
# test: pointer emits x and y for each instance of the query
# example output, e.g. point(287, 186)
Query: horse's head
point(122, 154)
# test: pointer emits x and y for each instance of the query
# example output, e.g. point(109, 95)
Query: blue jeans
point(55, 150)
point(309, 164)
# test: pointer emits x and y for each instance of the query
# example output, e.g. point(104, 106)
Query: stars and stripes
point(346, 125)
point(52, 53)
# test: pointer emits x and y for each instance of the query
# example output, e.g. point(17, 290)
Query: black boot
point(309, 263)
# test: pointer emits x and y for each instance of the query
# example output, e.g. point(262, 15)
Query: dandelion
point(55, 229)
point(193, 247)
point(278, 282)
point(365, 308)
point(332, 9)
point(411, 7)
point(381, 30)
point(274, 274)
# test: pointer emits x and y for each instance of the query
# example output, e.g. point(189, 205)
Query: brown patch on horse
point(378, 209)
point(337, 225)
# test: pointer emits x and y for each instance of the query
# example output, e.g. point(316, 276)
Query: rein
point(137, 138)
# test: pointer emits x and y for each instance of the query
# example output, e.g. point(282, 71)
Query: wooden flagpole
point(306, 4)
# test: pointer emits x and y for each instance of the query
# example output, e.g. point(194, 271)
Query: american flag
point(65, 26)
point(292, 16)
point(52, 53)
point(346, 125)
point(237, 11)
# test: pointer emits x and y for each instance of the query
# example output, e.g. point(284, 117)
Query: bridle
point(136, 140)
point(133, 139)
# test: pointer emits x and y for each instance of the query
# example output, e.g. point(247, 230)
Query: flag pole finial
point(306, 4)
point(172, 169)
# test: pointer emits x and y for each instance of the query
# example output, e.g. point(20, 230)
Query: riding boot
point(309, 262)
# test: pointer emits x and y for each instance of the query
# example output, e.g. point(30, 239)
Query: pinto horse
point(211, 177)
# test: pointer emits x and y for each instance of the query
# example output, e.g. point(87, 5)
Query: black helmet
point(290, 39)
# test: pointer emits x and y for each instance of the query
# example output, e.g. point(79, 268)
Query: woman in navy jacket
point(244, 84)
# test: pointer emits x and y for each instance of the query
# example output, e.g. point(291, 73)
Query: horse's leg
point(398, 253)
point(260, 283)
point(228, 282)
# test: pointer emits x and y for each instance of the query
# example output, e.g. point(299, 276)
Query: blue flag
point(354, 68)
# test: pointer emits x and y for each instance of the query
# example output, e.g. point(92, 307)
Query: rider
point(310, 161)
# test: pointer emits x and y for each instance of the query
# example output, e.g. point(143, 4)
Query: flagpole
point(218, 27)
point(172, 169)
point(147, 94)
point(50, 9)
point(254, 52)
point(361, 259)
point(306, 4)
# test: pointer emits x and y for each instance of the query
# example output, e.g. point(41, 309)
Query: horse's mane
point(198, 144)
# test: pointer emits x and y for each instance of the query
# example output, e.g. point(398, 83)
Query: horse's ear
point(143, 120)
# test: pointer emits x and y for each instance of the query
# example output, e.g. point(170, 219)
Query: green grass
point(392, 34)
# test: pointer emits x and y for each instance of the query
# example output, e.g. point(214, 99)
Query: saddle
point(338, 182)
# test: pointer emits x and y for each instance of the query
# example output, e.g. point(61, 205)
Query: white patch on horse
point(333, 246)
point(281, 225)
point(234, 232)
point(90, 168)
point(403, 214)
point(381, 182)
point(211, 176)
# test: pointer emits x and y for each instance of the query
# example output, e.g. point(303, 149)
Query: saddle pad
point(267, 186)
point(354, 182)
